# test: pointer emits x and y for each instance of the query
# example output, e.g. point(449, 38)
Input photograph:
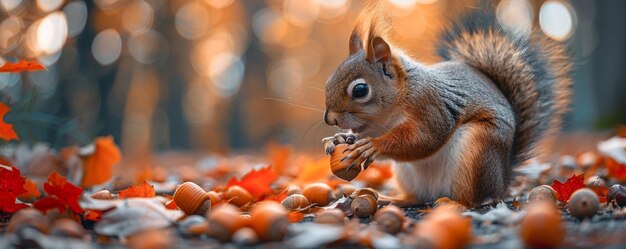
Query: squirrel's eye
point(360, 90)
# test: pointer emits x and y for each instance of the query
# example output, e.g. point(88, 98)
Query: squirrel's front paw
point(339, 138)
point(362, 151)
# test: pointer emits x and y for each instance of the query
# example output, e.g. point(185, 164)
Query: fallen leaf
point(565, 190)
point(616, 170)
point(171, 205)
point(257, 182)
point(60, 192)
point(128, 220)
point(93, 215)
point(98, 166)
point(313, 171)
point(313, 235)
point(376, 174)
point(6, 130)
point(278, 155)
point(295, 216)
point(11, 186)
point(278, 197)
point(20, 66)
point(142, 190)
point(31, 190)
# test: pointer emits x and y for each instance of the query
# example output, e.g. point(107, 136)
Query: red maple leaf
point(257, 182)
point(6, 130)
point(142, 190)
point(11, 186)
point(20, 66)
point(93, 215)
point(60, 193)
point(565, 190)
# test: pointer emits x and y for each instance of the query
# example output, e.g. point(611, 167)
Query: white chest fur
point(432, 177)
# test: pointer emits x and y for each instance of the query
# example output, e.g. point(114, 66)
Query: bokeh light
point(269, 25)
point(198, 104)
point(137, 17)
point(332, 9)
point(557, 20)
point(49, 5)
point(9, 33)
point(301, 12)
point(516, 16)
point(192, 20)
point(52, 32)
point(107, 46)
point(10, 5)
point(147, 47)
point(76, 13)
point(220, 3)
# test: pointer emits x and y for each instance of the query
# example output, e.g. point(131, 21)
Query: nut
point(192, 199)
point(364, 206)
point(541, 227)
point(330, 216)
point(269, 220)
point(390, 219)
point(240, 196)
point(296, 202)
point(365, 191)
point(28, 217)
point(617, 194)
point(224, 220)
point(318, 193)
point(542, 193)
point(340, 168)
point(583, 203)
point(103, 195)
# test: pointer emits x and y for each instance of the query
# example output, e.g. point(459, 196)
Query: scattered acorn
point(617, 194)
point(269, 220)
point(224, 220)
point(214, 197)
point(65, 227)
point(103, 195)
point(364, 206)
point(390, 219)
point(245, 236)
point(542, 193)
point(583, 203)
point(192, 199)
point(541, 227)
point(318, 193)
point(444, 227)
point(150, 239)
point(330, 216)
point(28, 217)
point(295, 202)
point(340, 168)
point(240, 196)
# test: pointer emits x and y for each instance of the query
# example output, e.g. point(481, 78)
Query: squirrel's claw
point(361, 152)
point(339, 138)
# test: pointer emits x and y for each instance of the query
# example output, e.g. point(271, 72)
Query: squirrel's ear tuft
point(356, 43)
point(378, 51)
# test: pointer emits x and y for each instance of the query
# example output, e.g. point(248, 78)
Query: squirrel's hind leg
point(400, 200)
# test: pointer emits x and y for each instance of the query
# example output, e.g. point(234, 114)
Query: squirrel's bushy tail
point(533, 72)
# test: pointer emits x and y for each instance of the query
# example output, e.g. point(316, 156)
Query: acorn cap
point(192, 199)
point(365, 191)
point(542, 193)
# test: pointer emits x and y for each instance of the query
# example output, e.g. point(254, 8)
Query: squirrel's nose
point(330, 118)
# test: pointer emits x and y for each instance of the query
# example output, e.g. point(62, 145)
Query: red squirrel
point(456, 128)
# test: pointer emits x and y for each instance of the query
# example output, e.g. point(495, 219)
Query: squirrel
point(455, 128)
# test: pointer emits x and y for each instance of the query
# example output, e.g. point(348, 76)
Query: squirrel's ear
point(356, 44)
point(378, 51)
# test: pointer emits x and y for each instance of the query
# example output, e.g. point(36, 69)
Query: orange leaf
point(257, 182)
point(295, 216)
point(565, 190)
point(278, 156)
point(31, 190)
point(616, 170)
point(99, 165)
point(171, 205)
point(278, 197)
point(6, 130)
point(93, 215)
point(376, 174)
point(22, 65)
point(143, 190)
point(314, 171)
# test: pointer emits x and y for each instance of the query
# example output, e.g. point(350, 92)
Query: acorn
point(390, 219)
point(192, 199)
point(245, 236)
point(542, 193)
point(365, 191)
point(617, 193)
point(344, 190)
point(28, 217)
point(583, 204)
point(214, 196)
point(444, 227)
point(224, 220)
point(330, 216)
point(293, 189)
point(295, 202)
point(269, 221)
point(541, 227)
point(65, 227)
point(318, 193)
point(364, 206)
point(150, 239)
point(103, 195)
point(240, 196)
point(340, 168)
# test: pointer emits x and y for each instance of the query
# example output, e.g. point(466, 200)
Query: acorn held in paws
point(341, 168)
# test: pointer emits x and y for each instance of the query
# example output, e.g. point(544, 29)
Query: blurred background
point(220, 75)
